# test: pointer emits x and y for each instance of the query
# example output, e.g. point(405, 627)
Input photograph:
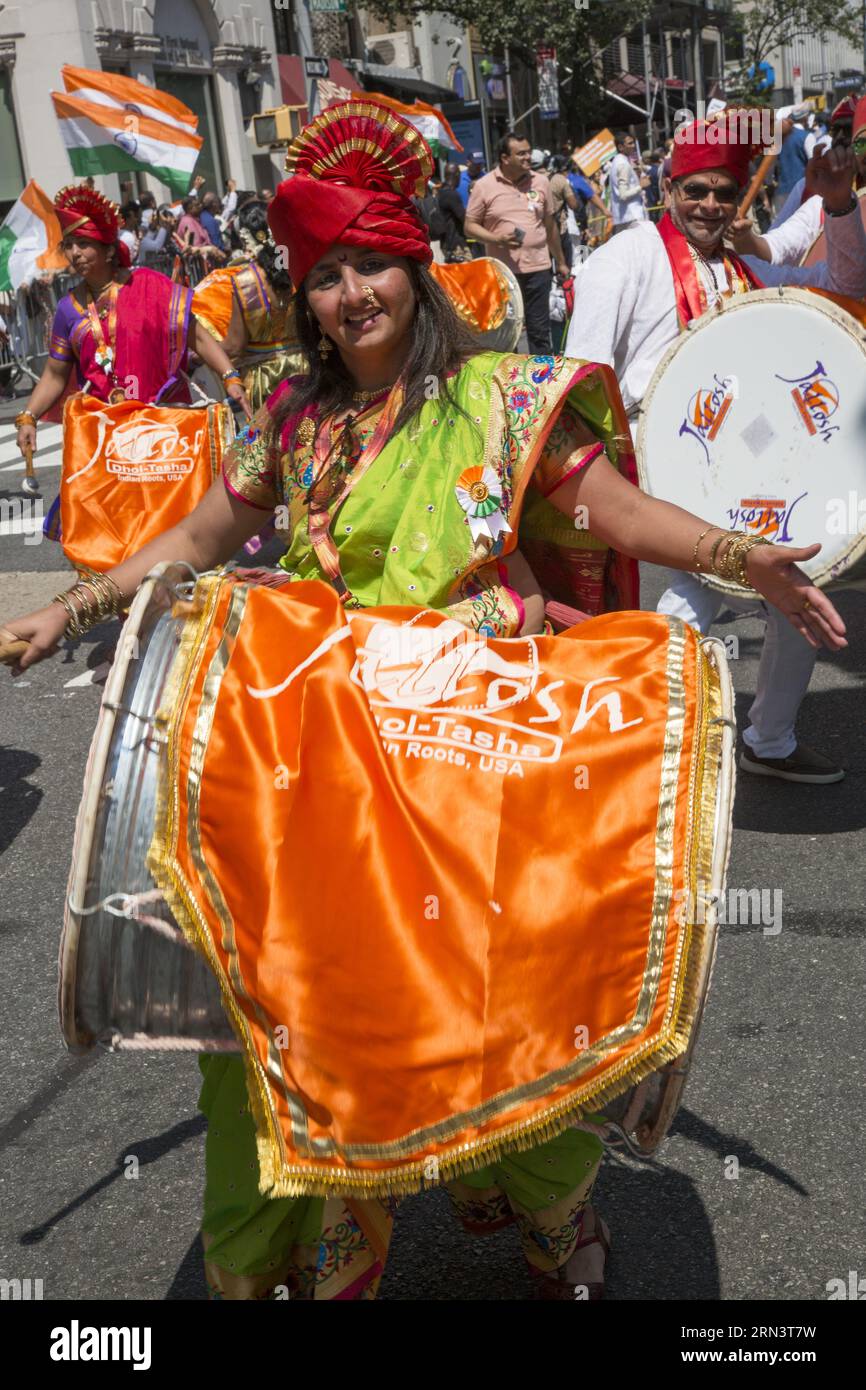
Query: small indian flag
point(427, 119)
point(29, 239)
point(116, 137)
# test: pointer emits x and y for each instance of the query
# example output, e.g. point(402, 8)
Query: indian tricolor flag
point(428, 119)
point(29, 239)
point(112, 124)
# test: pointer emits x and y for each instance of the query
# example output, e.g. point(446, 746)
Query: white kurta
point(625, 311)
point(790, 241)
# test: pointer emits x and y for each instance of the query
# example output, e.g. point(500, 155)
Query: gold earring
point(325, 346)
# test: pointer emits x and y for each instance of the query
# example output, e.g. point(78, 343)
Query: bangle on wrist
point(25, 417)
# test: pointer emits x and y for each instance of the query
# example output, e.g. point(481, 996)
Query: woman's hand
point(775, 574)
point(237, 393)
point(27, 440)
point(43, 630)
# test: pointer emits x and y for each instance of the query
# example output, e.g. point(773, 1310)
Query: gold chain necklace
point(370, 395)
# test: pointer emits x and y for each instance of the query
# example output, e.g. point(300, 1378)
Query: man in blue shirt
point(792, 161)
point(210, 206)
point(474, 169)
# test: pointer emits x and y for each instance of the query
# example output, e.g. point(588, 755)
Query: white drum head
point(756, 420)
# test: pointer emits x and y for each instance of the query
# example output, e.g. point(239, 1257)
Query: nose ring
point(370, 294)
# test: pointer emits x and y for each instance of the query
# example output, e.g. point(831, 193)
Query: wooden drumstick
point(11, 647)
point(754, 188)
point(30, 482)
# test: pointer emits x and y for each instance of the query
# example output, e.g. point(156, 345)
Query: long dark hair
point(253, 218)
point(440, 344)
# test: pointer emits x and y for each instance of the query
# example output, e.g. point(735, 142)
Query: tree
point(769, 24)
point(519, 26)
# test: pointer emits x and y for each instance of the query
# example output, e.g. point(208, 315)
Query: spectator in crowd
point(626, 186)
point(452, 214)
point(792, 160)
point(470, 175)
point(210, 208)
point(230, 200)
point(654, 174)
point(190, 228)
point(129, 233)
point(585, 192)
point(147, 203)
point(563, 198)
point(511, 211)
point(266, 193)
point(538, 161)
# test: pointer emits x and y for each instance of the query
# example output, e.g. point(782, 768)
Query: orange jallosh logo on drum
point(765, 516)
point(816, 398)
point(707, 411)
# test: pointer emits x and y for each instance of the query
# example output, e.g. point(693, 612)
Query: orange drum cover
point(130, 471)
point(440, 878)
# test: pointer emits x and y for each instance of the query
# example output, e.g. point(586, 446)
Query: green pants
point(317, 1247)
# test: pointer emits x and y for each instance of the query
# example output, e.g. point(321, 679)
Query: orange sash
point(440, 878)
point(477, 290)
point(130, 471)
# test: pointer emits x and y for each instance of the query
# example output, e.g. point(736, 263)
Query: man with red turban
point(634, 297)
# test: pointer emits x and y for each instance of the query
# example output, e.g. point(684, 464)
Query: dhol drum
point(756, 420)
point(127, 977)
point(818, 250)
point(487, 296)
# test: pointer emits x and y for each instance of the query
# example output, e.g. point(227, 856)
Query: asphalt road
point(778, 1084)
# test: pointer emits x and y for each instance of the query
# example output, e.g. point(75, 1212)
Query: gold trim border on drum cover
point(94, 772)
point(822, 579)
point(692, 963)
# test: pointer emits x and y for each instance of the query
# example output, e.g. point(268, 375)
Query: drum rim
point(778, 294)
point(85, 823)
point(861, 193)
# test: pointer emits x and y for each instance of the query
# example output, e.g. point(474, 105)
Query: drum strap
point(690, 304)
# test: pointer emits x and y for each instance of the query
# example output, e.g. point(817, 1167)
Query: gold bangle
point(25, 417)
point(695, 561)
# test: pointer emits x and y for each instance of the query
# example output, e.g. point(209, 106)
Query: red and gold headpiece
point(352, 173)
point(88, 213)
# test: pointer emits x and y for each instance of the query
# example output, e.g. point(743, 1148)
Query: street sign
point(821, 77)
point(327, 6)
point(316, 67)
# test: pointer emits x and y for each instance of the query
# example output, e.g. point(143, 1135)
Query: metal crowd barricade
point(29, 315)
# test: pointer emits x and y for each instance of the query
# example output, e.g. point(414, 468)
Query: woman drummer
point(411, 467)
point(125, 331)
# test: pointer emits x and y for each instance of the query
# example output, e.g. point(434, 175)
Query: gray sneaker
point(803, 765)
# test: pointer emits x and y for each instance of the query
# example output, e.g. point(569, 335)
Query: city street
point(777, 1084)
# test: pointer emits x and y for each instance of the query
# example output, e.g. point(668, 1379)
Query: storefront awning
point(405, 88)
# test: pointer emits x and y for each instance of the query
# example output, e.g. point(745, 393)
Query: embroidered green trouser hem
point(316, 1247)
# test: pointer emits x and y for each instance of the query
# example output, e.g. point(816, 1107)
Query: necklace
point(370, 395)
point(696, 256)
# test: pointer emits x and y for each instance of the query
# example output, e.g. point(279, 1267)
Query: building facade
point(217, 56)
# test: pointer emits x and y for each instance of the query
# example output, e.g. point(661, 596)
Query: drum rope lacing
point(128, 905)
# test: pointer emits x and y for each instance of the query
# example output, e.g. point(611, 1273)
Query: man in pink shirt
point(511, 211)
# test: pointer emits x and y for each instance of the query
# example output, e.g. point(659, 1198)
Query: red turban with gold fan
point(714, 144)
point(353, 171)
point(87, 213)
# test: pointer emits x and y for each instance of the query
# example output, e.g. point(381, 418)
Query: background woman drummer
point(375, 329)
point(122, 329)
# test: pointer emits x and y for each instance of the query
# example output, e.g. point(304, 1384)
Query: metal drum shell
point(122, 982)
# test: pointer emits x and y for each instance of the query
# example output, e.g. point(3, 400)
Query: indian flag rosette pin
point(479, 493)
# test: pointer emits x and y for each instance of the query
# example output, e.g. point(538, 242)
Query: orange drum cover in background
point(130, 471)
point(477, 290)
point(440, 878)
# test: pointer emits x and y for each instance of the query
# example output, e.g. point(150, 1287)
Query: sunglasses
point(697, 192)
